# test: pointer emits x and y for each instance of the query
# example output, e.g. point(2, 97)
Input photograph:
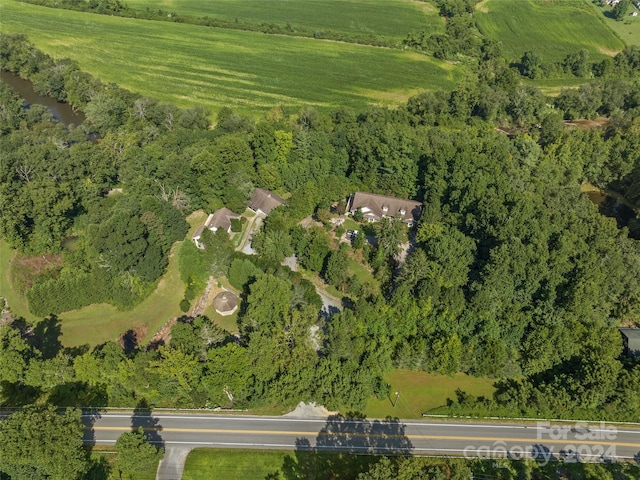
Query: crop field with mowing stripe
point(552, 28)
point(387, 18)
point(249, 72)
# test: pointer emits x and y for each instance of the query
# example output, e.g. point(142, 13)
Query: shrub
point(185, 305)
point(236, 225)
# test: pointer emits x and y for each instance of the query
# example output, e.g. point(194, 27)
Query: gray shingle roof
point(264, 200)
point(221, 218)
point(225, 302)
point(374, 207)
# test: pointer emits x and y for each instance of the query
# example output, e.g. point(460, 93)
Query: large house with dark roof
point(376, 207)
point(263, 201)
point(221, 218)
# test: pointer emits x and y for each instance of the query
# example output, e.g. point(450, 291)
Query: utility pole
point(396, 400)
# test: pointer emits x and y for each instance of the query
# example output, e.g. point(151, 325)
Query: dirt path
point(210, 291)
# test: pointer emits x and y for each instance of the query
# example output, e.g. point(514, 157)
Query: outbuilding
point(225, 303)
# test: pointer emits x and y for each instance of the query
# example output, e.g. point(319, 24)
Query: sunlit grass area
point(389, 18)
point(420, 392)
point(552, 29)
point(249, 72)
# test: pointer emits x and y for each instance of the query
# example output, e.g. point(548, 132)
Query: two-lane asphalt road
point(495, 440)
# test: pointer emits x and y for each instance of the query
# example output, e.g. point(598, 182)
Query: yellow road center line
point(380, 435)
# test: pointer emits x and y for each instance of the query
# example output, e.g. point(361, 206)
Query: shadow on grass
point(346, 446)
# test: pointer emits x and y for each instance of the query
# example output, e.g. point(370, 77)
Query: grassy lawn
point(628, 29)
point(249, 72)
point(99, 323)
point(17, 303)
point(553, 29)
point(388, 18)
point(250, 464)
point(361, 273)
point(350, 224)
point(195, 220)
point(421, 391)
point(229, 323)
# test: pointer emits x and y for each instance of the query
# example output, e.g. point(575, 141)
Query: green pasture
point(552, 28)
point(628, 29)
point(249, 72)
point(387, 18)
point(422, 391)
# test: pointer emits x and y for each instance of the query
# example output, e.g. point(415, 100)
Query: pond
point(610, 204)
point(62, 112)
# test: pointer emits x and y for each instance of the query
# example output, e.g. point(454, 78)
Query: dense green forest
point(513, 273)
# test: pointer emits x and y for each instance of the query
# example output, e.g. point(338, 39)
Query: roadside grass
point(99, 323)
point(17, 303)
point(422, 391)
point(249, 72)
point(272, 464)
point(552, 29)
point(388, 18)
point(104, 462)
point(204, 464)
point(628, 29)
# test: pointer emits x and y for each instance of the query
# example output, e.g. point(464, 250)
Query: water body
point(610, 204)
point(24, 88)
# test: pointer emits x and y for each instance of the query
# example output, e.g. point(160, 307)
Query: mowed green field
point(249, 72)
point(422, 391)
point(387, 18)
point(628, 29)
point(552, 28)
point(206, 464)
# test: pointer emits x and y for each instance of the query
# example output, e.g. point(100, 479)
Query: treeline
point(513, 273)
point(624, 65)
point(461, 36)
point(121, 9)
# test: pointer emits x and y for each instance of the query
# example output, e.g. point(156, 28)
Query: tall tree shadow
point(89, 418)
point(142, 417)
point(129, 342)
point(46, 337)
point(346, 447)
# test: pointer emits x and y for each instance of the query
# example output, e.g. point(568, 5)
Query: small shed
point(631, 340)
point(225, 303)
